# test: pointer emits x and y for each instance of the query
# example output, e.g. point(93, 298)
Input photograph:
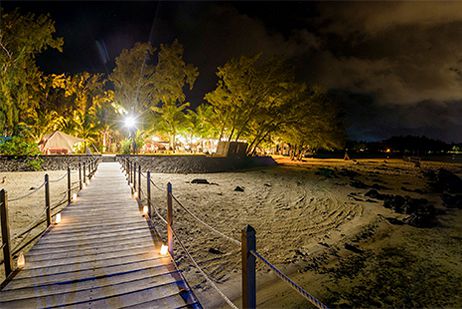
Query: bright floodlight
point(130, 122)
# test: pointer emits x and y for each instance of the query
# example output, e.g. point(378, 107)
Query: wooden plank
point(92, 257)
point(161, 262)
point(86, 252)
point(58, 269)
point(72, 247)
point(137, 277)
point(123, 294)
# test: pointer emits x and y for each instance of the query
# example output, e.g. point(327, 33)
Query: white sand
point(297, 214)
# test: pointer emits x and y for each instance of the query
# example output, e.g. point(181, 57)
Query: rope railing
point(234, 241)
point(28, 193)
point(225, 298)
point(29, 228)
point(59, 178)
point(247, 245)
point(295, 286)
point(50, 211)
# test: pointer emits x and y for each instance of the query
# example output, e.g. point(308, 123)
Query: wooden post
point(84, 174)
point(80, 176)
point(89, 169)
point(134, 176)
point(249, 292)
point(126, 167)
point(148, 192)
point(7, 258)
point(169, 219)
point(69, 185)
point(47, 199)
point(129, 172)
point(139, 182)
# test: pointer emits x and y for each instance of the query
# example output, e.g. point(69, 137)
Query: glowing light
point(388, 150)
point(130, 122)
point(74, 197)
point(155, 138)
point(21, 260)
point(145, 210)
point(58, 218)
point(164, 250)
point(181, 139)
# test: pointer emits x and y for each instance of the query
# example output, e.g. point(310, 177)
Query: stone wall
point(198, 163)
point(48, 163)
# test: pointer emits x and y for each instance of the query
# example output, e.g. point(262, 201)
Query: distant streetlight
point(130, 123)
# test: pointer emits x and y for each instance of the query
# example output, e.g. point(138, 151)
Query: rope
point(158, 214)
point(294, 285)
point(58, 179)
point(236, 242)
point(27, 194)
point(29, 229)
point(157, 187)
point(225, 298)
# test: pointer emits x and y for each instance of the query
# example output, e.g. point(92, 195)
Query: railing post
point(89, 170)
point(7, 258)
point(129, 172)
point(139, 182)
point(169, 219)
point(134, 176)
point(84, 174)
point(69, 185)
point(249, 292)
point(148, 192)
point(127, 167)
point(80, 176)
point(47, 199)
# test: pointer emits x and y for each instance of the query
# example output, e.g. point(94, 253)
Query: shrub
point(18, 146)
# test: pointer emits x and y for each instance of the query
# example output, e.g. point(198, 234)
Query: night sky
point(396, 68)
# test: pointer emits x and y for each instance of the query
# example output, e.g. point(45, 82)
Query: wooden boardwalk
point(101, 255)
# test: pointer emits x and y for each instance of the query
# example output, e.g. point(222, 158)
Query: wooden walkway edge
point(101, 255)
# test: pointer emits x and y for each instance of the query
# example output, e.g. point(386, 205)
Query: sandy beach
point(314, 221)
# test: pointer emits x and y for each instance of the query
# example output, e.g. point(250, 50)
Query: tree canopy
point(22, 37)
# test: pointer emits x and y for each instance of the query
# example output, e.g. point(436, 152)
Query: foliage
point(126, 146)
point(171, 75)
point(133, 78)
point(256, 98)
point(22, 37)
point(18, 146)
point(315, 124)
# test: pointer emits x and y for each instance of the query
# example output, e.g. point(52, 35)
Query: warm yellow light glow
point(145, 210)
point(135, 194)
point(21, 260)
point(164, 250)
point(74, 197)
point(388, 150)
point(58, 218)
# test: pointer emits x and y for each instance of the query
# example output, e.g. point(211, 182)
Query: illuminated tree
point(172, 74)
point(22, 37)
point(133, 78)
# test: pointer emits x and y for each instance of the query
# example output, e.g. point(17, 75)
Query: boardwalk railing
point(249, 253)
point(21, 240)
